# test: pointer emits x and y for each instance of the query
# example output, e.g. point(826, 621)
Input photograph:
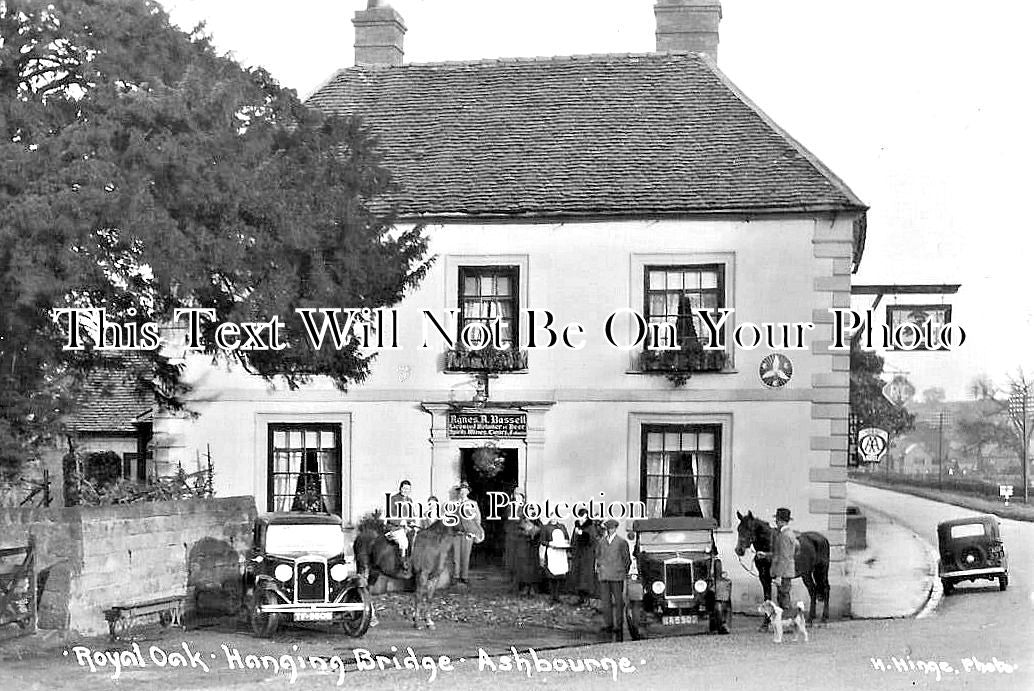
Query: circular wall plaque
point(775, 370)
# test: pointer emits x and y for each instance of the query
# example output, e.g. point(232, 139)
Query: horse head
point(471, 527)
point(748, 532)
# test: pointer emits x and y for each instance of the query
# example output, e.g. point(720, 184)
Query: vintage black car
point(677, 577)
point(971, 549)
point(298, 571)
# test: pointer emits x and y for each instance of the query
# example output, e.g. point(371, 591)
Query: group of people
point(593, 561)
point(402, 525)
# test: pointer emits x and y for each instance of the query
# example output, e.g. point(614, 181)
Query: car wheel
point(1003, 582)
point(264, 624)
point(356, 624)
point(634, 617)
point(947, 586)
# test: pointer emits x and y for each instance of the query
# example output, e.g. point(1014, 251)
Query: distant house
point(114, 414)
point(917, 460)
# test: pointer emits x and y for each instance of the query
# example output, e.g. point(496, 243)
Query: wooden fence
point(18, 596)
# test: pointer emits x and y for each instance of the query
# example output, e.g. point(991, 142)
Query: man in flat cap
point(613, 560)
point(784, 550)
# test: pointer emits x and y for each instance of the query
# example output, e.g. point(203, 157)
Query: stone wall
point(97, 557)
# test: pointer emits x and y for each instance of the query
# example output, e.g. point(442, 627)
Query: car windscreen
point(967, 530)
point(309, 539)
point(672, 540)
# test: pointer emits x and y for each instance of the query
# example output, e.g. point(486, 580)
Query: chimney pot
point(690, 25)
point(379, 30)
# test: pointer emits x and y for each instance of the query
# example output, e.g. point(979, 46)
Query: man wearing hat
point(783, 551)
point(463, 543)
point(612, 562)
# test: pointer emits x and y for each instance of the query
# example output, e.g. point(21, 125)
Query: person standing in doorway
point(400, 520)
point(464, 541)
point(784, 549)
point(613, 560)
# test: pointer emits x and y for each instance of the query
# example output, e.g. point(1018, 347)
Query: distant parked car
point(298, 571)
point(971, 549)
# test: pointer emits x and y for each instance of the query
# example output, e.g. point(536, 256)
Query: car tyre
point(1003, 582)
point(634, 617)
point(947, 586)
point(264, 625)
point(356, 624)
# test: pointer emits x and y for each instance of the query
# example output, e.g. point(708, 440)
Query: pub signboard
point(468, 425)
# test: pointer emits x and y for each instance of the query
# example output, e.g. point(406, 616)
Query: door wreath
point(488, 462)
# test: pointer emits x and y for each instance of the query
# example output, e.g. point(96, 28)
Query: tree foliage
point(996, 425)
point(141, 172)
point(868, 403)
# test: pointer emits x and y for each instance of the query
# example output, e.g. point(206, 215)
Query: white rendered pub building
point(583, 186)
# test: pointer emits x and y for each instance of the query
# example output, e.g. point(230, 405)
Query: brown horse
point(429, 554)
point(811, 560)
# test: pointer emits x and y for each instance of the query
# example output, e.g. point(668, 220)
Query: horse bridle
point(739, 558)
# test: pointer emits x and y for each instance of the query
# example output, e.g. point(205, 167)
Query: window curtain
point(308, 495)
point(328, 498)
point(705, 484)
point(282, 480)
point(682, 496)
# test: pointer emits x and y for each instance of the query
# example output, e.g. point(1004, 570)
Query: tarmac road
point(979, 638)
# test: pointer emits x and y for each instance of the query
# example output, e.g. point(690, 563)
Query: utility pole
point(1019, 405)
point(940, 454)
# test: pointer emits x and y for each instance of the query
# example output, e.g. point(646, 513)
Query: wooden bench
point(122, 619)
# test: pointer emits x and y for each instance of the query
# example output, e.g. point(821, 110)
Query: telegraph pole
point(940, 454)
point(1019, 405)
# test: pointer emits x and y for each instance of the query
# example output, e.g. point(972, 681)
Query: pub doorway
point(491, 551)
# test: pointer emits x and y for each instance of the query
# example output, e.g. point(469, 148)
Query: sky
point(919, 106)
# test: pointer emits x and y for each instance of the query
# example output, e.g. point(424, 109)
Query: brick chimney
point(690, 25)
point(378, 35)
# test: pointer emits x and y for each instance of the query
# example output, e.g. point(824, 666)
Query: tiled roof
point(654, 133)
point(110, 402)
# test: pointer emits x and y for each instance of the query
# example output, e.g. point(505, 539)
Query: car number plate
point(681, 619)
point(313, 616)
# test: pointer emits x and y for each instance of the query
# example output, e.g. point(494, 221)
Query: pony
point(429, 553)
point(811, 560)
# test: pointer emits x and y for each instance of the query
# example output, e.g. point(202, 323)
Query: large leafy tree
point(140, 171)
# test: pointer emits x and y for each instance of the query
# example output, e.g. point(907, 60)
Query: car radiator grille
point(678, 579)
point(312, 581)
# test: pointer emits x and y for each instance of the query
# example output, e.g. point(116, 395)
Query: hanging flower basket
point(488, 462)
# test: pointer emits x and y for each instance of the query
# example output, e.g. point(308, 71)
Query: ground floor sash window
point(681, 470)
point(305, 468)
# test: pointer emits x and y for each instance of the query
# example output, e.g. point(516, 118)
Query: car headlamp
point(700, 586)
point(283, 573)
point(339, 572)
point(657, 587)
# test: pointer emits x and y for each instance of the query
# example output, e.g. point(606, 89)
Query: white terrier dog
point(775, 613)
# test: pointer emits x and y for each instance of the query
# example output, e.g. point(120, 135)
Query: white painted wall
point(581, 272)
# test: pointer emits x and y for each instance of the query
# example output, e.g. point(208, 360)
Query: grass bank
point(1016, 511)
